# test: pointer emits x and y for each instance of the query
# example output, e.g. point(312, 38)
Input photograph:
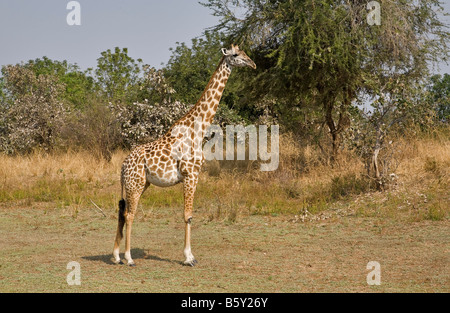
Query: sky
point(148, 28)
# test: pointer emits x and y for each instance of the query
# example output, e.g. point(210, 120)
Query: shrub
point(33, 115)
point(94, 129)
point(143, 122)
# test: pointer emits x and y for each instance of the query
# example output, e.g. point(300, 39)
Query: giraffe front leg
point(129, 223)
point(190, 184)
point(190, 259)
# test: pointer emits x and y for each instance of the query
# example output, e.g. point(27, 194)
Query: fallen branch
point(98, 207)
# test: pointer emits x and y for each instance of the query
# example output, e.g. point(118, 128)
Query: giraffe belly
point(169, 178)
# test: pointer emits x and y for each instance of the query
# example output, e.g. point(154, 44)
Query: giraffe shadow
point(157, 258)
point(136, 254)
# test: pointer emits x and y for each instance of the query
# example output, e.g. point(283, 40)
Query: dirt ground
point(254, 253)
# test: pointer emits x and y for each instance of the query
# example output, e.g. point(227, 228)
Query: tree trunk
point(335, 130)
point(330, 105)
point(328, 108)
point(376, 151)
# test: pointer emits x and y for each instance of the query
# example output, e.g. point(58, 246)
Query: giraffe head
point(237, 58)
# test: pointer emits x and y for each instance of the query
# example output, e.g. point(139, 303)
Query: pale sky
point(148, 28)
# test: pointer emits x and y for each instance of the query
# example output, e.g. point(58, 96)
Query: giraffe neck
point(206, 107)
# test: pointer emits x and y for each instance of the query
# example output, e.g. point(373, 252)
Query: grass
point(305, 228)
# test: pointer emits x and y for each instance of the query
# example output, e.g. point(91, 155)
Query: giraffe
point(175, 157)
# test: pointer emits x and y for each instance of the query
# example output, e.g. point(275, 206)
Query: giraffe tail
point(121, 202)
point(122, 211)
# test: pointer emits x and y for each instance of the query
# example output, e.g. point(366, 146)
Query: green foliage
point(78, 84)
point(439, 96)
point(117, 75)
point(190, 68)
point(121, 79)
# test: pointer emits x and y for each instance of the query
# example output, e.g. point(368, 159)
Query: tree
point(324, 54)
point(117, 75)
point(79, 85)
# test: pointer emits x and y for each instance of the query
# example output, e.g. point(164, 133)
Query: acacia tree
point(325, 54)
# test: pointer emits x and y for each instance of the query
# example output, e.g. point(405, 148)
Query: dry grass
point(74, 165)
point(303, 184)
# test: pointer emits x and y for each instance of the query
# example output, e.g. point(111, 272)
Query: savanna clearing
point(252, 231)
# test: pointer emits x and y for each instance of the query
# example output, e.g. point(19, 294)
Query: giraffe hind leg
point(132, 200)
point(119, 234)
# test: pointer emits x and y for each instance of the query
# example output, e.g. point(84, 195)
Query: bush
point(143, 122)
point(94, 129)
point(33, 115)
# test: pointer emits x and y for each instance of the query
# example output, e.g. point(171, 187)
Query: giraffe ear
point(225, 51)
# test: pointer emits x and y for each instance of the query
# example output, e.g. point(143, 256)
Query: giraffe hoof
point(132, 264)
point(191, 263)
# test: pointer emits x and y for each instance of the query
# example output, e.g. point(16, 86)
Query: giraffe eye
point(235, 55)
